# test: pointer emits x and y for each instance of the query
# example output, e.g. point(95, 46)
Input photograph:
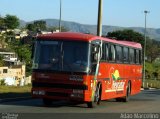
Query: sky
point(124, 13)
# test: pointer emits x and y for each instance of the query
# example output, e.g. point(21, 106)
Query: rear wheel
point(126, 98)
point(97, 97)
point(119, 99)
point(128, 91)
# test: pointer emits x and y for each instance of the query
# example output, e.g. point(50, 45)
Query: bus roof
point(85, 37)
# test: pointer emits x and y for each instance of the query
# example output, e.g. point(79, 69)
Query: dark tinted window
point(118, 53)
point(103, 52)
point(111, 53)
point(131, 56)
point(140, 56)
point(137, 56)
point(125, 55)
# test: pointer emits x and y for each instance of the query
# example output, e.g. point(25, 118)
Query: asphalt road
point(148, 101)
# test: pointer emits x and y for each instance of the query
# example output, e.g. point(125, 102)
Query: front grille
point(57, 94)
point(58, 85)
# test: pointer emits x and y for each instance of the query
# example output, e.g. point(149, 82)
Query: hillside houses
point(13, 71)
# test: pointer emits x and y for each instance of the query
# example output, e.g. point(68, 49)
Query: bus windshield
point(69, 56)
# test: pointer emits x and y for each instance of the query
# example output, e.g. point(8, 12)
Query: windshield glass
point(61, 56)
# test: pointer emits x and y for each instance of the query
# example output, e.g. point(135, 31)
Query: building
point(14, 75)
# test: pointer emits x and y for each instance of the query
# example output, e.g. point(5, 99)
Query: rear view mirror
point(95, 49)
point(95, 52)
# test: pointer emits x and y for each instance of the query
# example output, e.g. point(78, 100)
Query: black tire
point(126, 98)
point(90, 104)
point(119, 99)
point(97, 97)
point(47, 102)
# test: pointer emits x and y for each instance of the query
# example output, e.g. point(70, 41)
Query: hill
point(84, 28)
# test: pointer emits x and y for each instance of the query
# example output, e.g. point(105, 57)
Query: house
point(14, 75)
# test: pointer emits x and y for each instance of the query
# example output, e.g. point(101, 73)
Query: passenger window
point(125, 55)
point(111, 53)
point(131, 56)
point(118, 53)
point(140, 56)
point(103, 52)
point(137, 56)
point(106, 47)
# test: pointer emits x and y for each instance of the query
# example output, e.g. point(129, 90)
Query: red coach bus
point(85, 68)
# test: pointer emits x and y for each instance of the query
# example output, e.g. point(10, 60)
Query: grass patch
point(15, 91)
point(152, 84)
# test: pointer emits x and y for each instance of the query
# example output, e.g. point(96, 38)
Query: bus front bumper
point(55, 94)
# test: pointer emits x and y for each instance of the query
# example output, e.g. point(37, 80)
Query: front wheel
point(97, 97)
point(47, 102)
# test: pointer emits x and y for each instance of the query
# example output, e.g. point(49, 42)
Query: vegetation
point(36, 26)
point(127, 35)
point(1, 62)
point(24, 54)
point(9, 22)
point(14, 91)
point(2, 82)
point(152, 84)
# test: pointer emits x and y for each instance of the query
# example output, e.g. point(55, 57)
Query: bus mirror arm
point(96, 52)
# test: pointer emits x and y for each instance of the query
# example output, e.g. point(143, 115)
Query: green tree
point(11, 21)
point(37, 25)
point(1, 61)
point(3, 40)
point(128, 35)
point(24, 53)
point(2, 23)
point(152, 50)
point(31, 27)
point(40, 25)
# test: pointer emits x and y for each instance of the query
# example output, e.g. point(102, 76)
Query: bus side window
point(131, 56)
point(140, 56)
point(125, 55)
point(118, 53)
point(103, 52)
point(106, 48)
point(137, 56)
point(111, 54)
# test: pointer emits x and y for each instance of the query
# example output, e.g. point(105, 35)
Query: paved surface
point(148, 101)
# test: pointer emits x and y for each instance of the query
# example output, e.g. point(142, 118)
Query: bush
point(152, 83)
point(2, 82)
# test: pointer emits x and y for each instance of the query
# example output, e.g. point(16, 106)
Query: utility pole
point(99, 33)
point(60, 15)
point(144, 50)
point(99, 24)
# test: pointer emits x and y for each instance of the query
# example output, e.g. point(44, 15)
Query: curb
point(14, 99)
point(149, 89)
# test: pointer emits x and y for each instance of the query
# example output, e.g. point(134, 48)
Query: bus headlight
point(77, 93)
point(41, 92)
